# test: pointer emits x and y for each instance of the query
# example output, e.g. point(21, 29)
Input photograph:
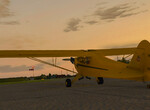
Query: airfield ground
point(83, 95)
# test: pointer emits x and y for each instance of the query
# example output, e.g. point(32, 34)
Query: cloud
point(9, 68)
point(10, 23)
point(73, 25)
point(104, 12)
point(91, 22)
point(122, 10)
point(4, 10)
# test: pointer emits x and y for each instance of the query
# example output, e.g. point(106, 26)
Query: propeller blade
point(66, 59)
point(69, 59)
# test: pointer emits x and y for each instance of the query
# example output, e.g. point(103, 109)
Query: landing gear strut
point(100, 80)
point(68, 83)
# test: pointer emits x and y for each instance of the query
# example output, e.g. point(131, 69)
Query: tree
point(49, 76)
point(43, 76)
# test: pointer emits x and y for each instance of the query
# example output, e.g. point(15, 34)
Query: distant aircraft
point(94, 63)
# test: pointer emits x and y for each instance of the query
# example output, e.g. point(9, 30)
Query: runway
point(83, 95)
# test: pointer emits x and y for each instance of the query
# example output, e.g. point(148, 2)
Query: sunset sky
point(68, 24)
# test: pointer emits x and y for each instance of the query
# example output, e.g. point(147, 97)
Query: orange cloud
point(4, 10)
point(105, 13)
point(73, 25)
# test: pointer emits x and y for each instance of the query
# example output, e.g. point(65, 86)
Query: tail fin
point(141, 59)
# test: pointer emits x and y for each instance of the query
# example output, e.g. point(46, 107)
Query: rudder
point(141, 59)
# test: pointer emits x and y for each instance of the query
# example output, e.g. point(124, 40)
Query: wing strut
point(41, 61)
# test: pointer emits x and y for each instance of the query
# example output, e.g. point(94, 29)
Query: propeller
point(66, 59)
point(69, 59)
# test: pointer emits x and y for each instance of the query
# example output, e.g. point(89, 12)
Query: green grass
point(30, 81)
point(15, 82)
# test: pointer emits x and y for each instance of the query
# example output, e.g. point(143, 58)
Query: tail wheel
point(100, 80)
point(68, 82)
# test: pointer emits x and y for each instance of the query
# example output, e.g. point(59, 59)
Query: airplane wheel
point(68, 83)
point(100, 80)
point(148, 86)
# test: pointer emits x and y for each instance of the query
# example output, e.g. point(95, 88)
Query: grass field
point(27, 81)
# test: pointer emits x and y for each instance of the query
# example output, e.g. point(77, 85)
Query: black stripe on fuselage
point(91, 67)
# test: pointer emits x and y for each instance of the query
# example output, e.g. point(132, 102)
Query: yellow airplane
point(94, 63)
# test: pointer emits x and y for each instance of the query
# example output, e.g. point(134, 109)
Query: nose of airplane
point(72, 60)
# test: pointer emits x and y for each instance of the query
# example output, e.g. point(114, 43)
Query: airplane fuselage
point(99, 66)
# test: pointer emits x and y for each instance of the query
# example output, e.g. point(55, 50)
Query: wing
point(40, 53)
point(64, 53)
point(117, 51)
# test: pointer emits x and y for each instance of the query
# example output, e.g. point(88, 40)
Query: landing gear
point(68, 83)
point(88, 78)
point(100, 80)
point(148, 86)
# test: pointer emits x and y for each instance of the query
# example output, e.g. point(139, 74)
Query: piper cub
point(94, 63)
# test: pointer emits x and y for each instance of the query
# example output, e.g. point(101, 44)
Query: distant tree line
point(49, 76)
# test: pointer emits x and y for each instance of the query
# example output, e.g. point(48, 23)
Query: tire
point(148, 86)
point(100, 80)
point(68, 82)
